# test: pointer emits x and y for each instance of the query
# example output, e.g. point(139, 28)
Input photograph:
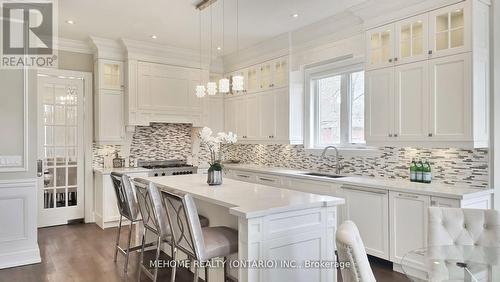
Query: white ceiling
point(176, 22)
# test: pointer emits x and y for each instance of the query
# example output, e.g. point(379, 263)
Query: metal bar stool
point(127, 206)
point(155, 220)
point(201, 244)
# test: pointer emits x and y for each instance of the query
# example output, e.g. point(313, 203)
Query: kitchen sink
point(323, 175)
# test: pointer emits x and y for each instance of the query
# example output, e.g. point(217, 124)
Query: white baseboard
point(20, 258)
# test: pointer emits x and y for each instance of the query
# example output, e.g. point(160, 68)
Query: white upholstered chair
point(350, 248)
point(459, 228)
point(463, 227)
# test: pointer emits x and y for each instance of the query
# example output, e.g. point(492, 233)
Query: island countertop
point(247, 200)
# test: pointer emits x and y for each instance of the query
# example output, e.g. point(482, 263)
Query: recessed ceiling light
point(70, 22)
point(154, 36)
point(295, 15)
point(219, 48)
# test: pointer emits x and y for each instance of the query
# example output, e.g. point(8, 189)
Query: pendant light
point(211, 86)
point(223, 82)
point(200, 89)
point(238, 79)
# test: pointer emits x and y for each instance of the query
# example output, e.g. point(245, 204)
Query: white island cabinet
point(105, 207)
point(273, 224)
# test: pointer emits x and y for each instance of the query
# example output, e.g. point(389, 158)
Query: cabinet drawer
point(444, 202)
point(270, 180)
point(243, 176)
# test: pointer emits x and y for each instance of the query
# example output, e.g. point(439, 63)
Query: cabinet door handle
point(242, 175)
point(395, 135)
point(408, 196)
point(267, 179)
point(430, 52)
point(396, 59)
point(383, 192)
point(430, 134)
point(390, 134)
point(390, 60)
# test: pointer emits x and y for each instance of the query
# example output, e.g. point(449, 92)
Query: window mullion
point(344, 111)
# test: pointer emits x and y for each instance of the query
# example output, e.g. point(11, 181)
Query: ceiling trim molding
point(76, 46)
point(163, 54)
point(105, 48)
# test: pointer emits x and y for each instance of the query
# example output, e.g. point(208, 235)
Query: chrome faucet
point(337, 165)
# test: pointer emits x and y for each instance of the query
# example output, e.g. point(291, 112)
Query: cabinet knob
point(430, 52)
point(395, 135)
point(390, 134)
point(390, 60)
point(430, 134)
point(396, 59)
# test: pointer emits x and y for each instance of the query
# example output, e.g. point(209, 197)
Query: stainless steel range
point(167, 167)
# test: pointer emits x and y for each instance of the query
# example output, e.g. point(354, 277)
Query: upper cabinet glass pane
point(386, 45)
point(442, 23)
point(111, 75)
point(457, 18)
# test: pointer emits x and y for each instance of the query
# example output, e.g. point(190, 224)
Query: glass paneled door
point(60, 123)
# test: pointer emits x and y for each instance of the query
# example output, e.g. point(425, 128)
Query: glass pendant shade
point(211, 88)
point(200, 91)
point(238, 83)
point(224, 85)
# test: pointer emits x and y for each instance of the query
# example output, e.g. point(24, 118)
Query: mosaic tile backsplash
point(167, 141)
point(449, 166)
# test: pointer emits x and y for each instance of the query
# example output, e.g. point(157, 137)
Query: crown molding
point(76, 46)
point(163, 54)
point(105, 48)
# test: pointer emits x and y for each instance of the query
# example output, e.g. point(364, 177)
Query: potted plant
point(214, 145)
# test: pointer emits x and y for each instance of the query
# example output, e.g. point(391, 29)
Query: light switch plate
point(11, 161)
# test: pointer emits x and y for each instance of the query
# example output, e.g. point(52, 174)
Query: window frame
point(344, 67)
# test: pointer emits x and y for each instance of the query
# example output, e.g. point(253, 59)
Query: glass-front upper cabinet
point(380, 43)
point(266, 75)
point(412, 39)
point(253, 79)
point(280, 77)
point(450, 30)
point(111, 75)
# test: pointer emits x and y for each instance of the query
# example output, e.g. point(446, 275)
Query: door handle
point(39, 168)
point(408, 196)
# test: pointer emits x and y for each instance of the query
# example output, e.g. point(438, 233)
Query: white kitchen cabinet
point(163, 93)
point(252, 117)
point(450, 30)
point(109, 124)
point(110, 74)
point(280, 73)
point(411, 118)
point(450, 98)
point(106, 209)
point(268, 115)
point(408, 224)
point(412, 39)
point(369, 210)
point(241, 110)
point(380, 47)
point(379, 95)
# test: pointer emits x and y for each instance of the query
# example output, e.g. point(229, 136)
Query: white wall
point(495, 52)
point(18, 190)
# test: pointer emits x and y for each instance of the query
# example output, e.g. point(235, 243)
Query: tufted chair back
point(351, 249)
point(463, 227)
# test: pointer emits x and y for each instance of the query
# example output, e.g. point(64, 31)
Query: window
point(338, 107)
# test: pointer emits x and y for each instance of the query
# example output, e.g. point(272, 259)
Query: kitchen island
point(282, 228)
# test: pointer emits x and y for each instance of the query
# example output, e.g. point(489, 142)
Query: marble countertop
point(120, 170)
point(245, 199)
point(434, 189)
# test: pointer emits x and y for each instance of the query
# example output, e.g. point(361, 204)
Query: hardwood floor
point(84, 252)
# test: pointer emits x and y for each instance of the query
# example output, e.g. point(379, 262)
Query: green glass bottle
point(420, 171)
point(427, 172)
point(413, 171)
